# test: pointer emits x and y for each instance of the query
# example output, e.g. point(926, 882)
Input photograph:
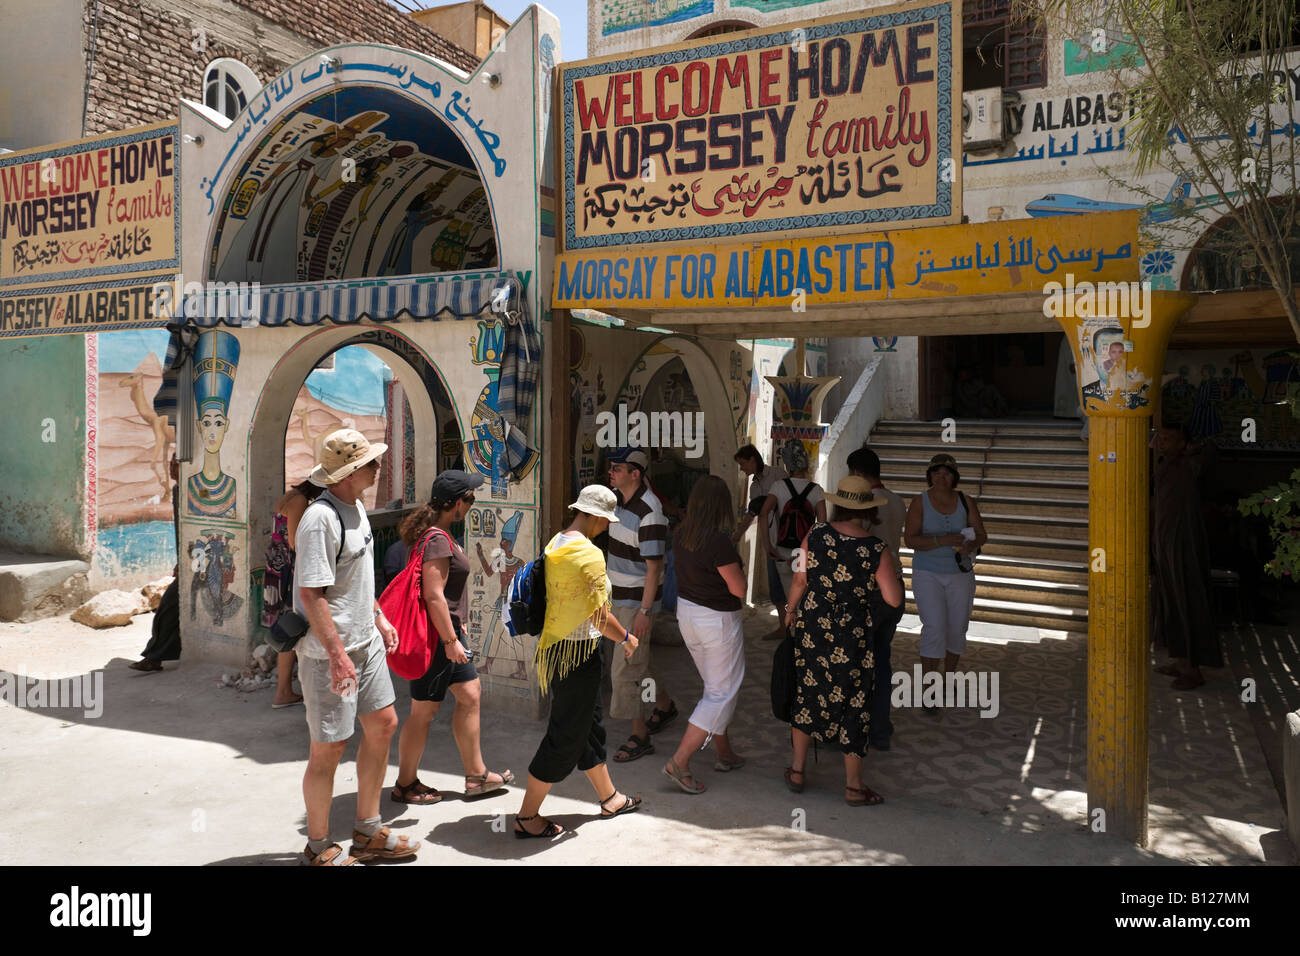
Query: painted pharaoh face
point(212, 430)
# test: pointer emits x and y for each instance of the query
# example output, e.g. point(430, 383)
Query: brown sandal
point(480, 786)
point(326, 857)
point(790, 774)
point(869, 797)
point(416, 793)
point(376, 847)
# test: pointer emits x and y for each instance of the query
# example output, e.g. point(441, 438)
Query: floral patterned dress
point(834, 666)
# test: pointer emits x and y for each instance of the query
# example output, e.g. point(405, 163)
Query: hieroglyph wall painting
point(491, 533)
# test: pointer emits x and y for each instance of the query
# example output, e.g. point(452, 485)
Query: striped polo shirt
point(641, 532)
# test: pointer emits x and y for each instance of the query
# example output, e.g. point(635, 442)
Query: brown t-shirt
point(441, 546)
point(698, 580)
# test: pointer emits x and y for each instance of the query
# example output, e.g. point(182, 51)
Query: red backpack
point(403, 604)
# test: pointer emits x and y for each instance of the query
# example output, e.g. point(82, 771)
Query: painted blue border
point(116, 283)
point(942, 13)
point(151, 265)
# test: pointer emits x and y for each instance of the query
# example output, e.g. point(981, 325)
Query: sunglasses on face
point(468, 499)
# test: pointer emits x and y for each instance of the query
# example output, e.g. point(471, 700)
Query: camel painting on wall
point(135, 535)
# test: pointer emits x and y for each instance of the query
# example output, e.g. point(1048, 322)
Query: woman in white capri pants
point(944, 590)
point(710, 587)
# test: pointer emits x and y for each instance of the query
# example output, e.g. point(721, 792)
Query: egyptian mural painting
point(347, 390)
point(1212, 392)
point(619, 15)
point(210, 557)
point(486, 446)
point(135, 444)
point(358, 181)
point(490, 536)
point(210, 493)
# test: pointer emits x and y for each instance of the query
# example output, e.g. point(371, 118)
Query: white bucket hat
point(599, 501)
point(342, 453)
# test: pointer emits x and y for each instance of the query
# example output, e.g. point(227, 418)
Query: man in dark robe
point(1182, 620)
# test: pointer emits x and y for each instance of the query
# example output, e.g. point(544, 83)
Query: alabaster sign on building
point(826, 125)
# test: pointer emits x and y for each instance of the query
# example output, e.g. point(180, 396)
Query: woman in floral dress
point(846, 575)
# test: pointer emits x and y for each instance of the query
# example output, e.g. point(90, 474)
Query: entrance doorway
point(1013, 375)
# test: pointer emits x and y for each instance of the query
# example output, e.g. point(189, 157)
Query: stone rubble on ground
point(153, 591)
point(111, 609)
point(264, 657)
point(249, 679)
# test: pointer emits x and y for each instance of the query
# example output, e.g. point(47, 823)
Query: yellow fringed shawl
point(577, 595)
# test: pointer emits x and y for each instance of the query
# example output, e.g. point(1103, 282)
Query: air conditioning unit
point(981, 119)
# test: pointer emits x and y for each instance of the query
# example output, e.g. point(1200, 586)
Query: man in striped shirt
point(638, 544)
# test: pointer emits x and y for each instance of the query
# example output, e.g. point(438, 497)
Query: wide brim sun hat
point(854, 492)
point(599, 501)
point(343, 452)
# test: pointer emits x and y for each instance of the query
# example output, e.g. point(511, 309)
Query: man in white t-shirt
point(342, 661)
point(797, 486)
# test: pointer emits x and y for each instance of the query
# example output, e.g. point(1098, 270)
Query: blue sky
point(572, 15)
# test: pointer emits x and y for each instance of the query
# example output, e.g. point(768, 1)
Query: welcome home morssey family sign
point(825, 125)
point(100, 206)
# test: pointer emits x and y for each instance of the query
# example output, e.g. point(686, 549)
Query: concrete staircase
point(1030, 480)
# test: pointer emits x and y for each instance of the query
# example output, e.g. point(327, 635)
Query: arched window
point(228, 85)
point(719, 29)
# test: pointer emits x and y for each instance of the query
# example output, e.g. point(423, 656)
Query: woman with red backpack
point(445, 572)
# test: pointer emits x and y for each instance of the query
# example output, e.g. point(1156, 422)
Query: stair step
point(921, 454)
point(1011, 566)
point(1070, 488)
point(1035, 507)
point(964, 429)
point(1024, 591)
point(1056, 526)
point(1050, 622)
point(971, 469)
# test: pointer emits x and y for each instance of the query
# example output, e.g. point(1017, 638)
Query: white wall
point(42, 72)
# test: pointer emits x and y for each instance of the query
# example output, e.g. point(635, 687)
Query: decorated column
point(1120, 362)
point(796, 412)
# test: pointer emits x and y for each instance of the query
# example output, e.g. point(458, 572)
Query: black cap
point(453, 484)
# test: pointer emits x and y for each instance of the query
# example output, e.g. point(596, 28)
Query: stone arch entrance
point(433, 411)
point(680, 366)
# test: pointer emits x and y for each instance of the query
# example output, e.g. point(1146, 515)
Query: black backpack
point(796, 518)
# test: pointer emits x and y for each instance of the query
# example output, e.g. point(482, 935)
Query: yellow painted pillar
point(1120, 360)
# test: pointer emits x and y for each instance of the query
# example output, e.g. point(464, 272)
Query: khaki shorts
point(627, 673)
point(330, 717)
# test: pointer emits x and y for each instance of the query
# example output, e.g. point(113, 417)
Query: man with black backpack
point(791, 509)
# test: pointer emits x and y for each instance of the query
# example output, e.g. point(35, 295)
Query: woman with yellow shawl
point(577, 614)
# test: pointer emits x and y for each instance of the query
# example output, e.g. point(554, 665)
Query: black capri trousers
point(575, 736)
